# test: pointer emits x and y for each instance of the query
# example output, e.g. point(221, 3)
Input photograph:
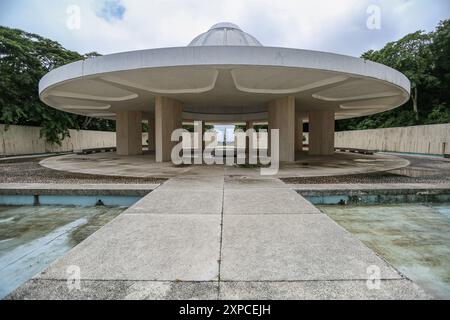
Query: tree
point(424, 59)
point(24, 59)
point(441, 53)
point(413, 56)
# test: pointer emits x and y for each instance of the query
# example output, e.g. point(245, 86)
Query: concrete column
point(168, 117)
point(249, 125)
point(321, 133)
point(199, 143)
point(203, 136)
point(298, 131)
point(249, 145)
point(151, 135)
point(282, 117)
point(129, 133)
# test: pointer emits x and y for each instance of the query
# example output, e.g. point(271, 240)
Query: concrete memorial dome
point(225, 75)
point(225, 34)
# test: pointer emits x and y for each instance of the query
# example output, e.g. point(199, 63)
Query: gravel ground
point(421, 170)
point(29, 171)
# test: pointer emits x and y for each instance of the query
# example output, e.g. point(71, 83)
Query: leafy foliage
point(24, 59)
point(425, 59)
point(191, 128)
point(257, 128)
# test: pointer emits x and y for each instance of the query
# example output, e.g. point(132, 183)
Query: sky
point(345, 26)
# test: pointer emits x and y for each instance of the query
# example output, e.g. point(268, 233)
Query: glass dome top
point(225, 34)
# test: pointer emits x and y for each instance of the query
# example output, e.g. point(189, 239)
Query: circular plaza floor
point(110, 164)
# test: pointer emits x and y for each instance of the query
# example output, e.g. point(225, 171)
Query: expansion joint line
point(221, 239)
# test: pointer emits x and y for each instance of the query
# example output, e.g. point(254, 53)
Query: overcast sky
point(109, 26)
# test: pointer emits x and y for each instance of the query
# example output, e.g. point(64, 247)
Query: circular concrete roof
point(218, 78)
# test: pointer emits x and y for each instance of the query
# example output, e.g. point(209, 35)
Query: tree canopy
point(24, 59)
point(425, 59)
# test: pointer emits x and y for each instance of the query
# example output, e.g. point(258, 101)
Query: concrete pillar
point(249, 125)
point(249, 145)
point(298, 131)
point(151, 135)
point(199, 143)
point(203, 136)
point(282, 117)
point(321, 133)
point(168, 117)
point(129, 133)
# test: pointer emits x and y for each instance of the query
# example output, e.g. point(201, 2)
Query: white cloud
point(404, 6)
point(327, 25)
point(110, 10)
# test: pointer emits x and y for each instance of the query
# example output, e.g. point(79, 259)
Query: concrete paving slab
point(203, 171)
point(266, 201)
point(150, 290)
point(177, 201)
point(293, 248)
point(194, 183)
point(38, 289)
point(42, 289)
point(243, 171)
point(246, 183)
point(402, 289)
point(147, 247)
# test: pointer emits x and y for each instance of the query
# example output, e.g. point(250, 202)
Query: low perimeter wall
point(19, 140)
point(432, 139)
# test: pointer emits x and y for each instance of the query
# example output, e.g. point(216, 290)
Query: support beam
point(129, 133)
point(321, 133)
point(282, 117)
point(298, 131)
point(168, 117)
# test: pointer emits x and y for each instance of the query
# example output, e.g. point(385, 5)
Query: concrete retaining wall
point(432, 139)
point(19, 140)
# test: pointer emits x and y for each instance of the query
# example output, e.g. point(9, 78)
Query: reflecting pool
point(414, 238)
point(33, 237)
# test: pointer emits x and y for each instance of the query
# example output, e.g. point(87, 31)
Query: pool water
point(414, 238)
point(33, 237)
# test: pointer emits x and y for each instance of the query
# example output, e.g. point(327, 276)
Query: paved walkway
point(209, 235)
